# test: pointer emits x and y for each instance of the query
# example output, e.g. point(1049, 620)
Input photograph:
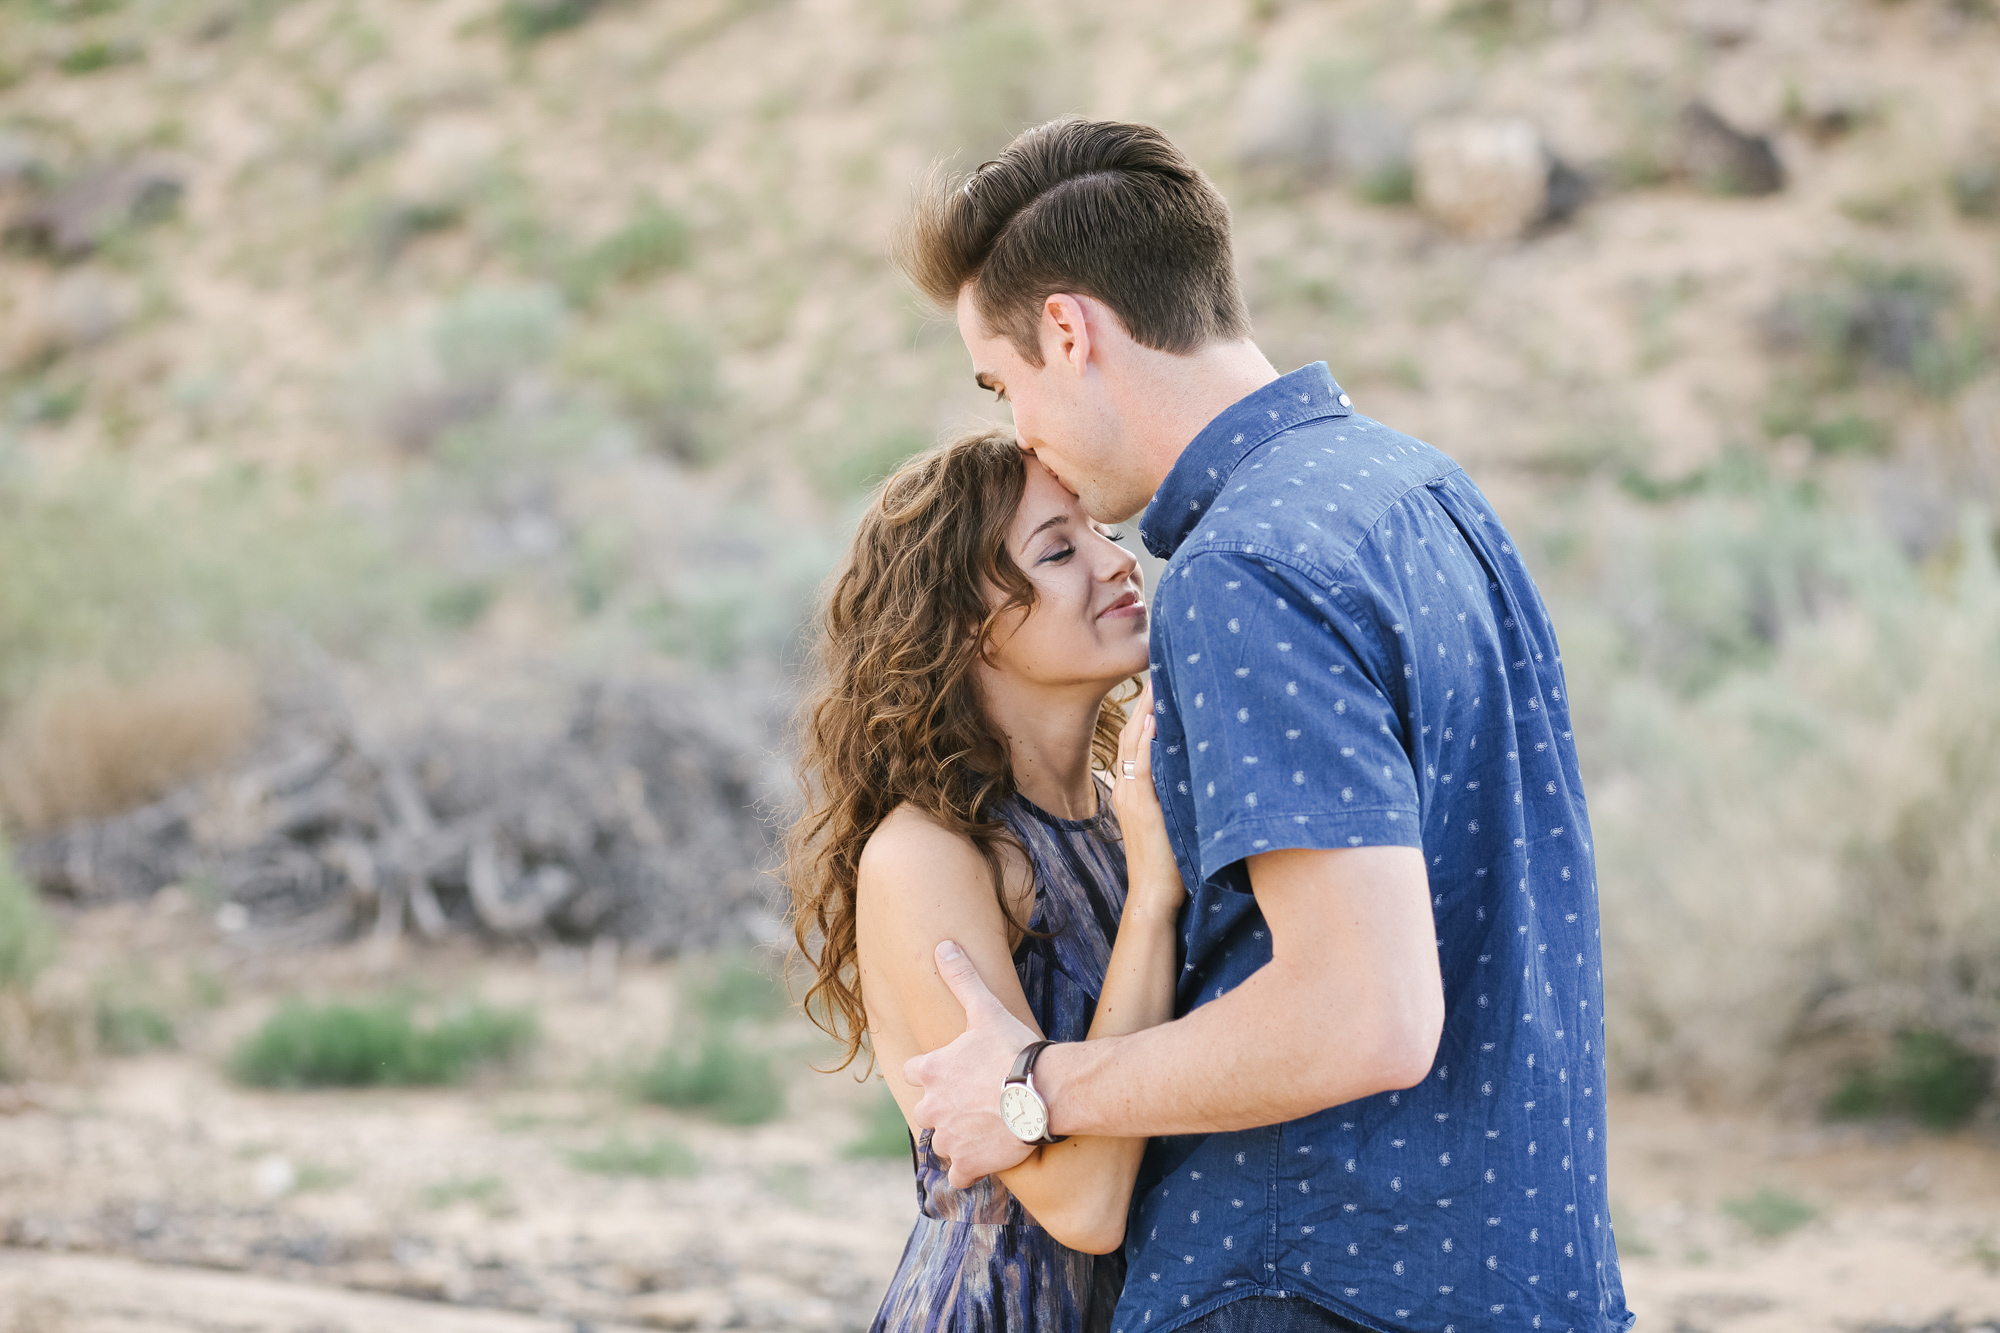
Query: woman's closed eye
point(1057, 556)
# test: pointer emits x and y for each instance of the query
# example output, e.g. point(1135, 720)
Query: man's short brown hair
point(1101, 208)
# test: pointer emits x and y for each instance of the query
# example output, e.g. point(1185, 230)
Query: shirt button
point(1345, 401)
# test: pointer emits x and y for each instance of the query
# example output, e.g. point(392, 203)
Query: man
point(1384, 1092)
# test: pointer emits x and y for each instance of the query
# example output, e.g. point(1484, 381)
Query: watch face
point(1027, 1119)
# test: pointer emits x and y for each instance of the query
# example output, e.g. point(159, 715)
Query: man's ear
point(1066, 331)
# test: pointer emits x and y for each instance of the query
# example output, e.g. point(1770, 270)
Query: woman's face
point(1088, 623)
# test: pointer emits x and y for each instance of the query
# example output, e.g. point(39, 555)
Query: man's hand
point(961, 1082)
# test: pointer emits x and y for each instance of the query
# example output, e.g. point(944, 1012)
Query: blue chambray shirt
point(1347, 651)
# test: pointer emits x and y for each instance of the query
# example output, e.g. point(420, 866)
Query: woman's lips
point(1128, 605)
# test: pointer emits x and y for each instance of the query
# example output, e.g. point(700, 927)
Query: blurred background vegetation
point(526, 339)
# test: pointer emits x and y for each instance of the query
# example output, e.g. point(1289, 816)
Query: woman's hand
point(1154, 878)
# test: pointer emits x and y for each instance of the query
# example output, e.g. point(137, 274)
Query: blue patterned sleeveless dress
point(976, 1262)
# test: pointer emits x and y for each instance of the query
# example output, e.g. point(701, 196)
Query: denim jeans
point(1271, 1314)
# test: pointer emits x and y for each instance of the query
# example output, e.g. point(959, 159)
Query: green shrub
point(658, 373)
point(1770, 1213)
point(1764, 797)
point(489, 1192)
point(886, 1133)
point(1894, 321)
point(724, 1078)
point(358, 1045)
point(1928, 1076)
point(101, 564)
point(27, 937)
point(490, 334)
point(618, 1157)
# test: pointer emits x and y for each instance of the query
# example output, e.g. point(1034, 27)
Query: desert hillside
point(424, 424)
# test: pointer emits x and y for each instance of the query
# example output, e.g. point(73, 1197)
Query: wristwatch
point(1022, 1109)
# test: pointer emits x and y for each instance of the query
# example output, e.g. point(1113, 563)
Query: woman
point(970, 650)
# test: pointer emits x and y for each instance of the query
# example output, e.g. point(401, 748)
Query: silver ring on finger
point(1131, 770)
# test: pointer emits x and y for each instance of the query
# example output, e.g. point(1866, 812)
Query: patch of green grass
point(724, 1078)
point(1389, 186)
point(727, 986)
point(360, 1045)
point(653, 241)
point(715, 1065)
point(528, 21)
point(458, 605)
point(885, 1133)
point(128, 1026)
point(1771, 1213)
point(392, 226)
point(620, 1157)
point(488, 1192)
point(1492, 24)
point(1928, 1076)
point(310, 1176)
point(1833, 433)
point(1975, 189)
point(90, 57)
point(28, 937)
point(206, 989)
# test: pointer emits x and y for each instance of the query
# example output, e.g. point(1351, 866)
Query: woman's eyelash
point(1063, 554)
point(1116, 535)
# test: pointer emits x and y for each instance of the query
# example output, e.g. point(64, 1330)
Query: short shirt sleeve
point(1293, 741)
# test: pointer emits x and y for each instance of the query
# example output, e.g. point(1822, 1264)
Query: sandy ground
point(150, 1195)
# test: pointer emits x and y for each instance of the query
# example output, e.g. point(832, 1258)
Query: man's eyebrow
point(984, 381)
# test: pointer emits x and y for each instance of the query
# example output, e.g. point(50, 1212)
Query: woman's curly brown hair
point(894, 715)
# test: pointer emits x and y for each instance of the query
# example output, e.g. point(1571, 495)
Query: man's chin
point(1111, 510)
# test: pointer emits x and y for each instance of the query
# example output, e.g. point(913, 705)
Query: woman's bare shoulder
point(912, 845)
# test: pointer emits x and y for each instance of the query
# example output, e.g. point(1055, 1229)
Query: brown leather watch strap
point(1024, 1063)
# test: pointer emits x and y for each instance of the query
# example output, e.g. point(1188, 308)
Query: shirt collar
point(1307, 394)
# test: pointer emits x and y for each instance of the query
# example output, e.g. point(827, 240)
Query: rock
point(73, 219)
point(274, 1177)
point(1722, 159)
point(1484, 179)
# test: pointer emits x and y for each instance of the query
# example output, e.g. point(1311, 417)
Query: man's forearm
point(1349, 1005)
point(1276, 1048)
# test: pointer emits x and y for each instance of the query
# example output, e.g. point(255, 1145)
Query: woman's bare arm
point(921, 884)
